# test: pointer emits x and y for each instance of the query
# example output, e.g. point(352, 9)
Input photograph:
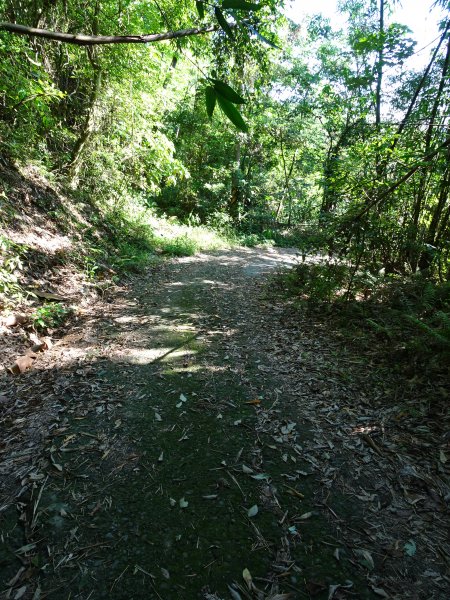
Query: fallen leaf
point(38, 347)
point(26, 548)
point(165, 573)
point(23, 363)
point(305, 516)
point(14, 320)
point(247, 470)
point(256, 401)
point(247, 578)
point(48, 296)
point(287, 429)
point(158, 417)
point(365, 558)
point(37, 594)
point(20, 592)
point(234, 594)
point(57, 466)
point(332, 590)
point(410, 548)
point(48, 342)
point(253, 511)
point(379, 592)
point(183, 503)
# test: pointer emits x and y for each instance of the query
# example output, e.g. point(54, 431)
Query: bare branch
point(94, 40)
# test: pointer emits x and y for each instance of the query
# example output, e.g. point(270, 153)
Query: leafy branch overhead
point(227, 5)
point(219, 91)
point(226, 97)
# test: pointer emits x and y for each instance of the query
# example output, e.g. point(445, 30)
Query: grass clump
point(135, 236)
point(181, 245)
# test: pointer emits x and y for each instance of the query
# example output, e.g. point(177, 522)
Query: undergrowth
point(109, 235)
point(49, 315)
point(406, 316)
point(11, 265)
point(136, 236)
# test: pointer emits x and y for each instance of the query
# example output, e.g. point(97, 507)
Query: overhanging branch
point(94, 40)
point(382, 197)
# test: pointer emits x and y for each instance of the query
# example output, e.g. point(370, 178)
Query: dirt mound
point(43, 279)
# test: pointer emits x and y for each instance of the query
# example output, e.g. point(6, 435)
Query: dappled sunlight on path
point(182, 449)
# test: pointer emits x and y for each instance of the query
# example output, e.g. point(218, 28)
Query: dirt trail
point(173, 452)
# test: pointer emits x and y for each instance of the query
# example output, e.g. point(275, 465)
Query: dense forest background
point(320, 139)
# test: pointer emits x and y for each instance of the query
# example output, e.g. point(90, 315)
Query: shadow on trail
point(171, 465)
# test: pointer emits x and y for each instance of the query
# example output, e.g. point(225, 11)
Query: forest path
point(187, 449)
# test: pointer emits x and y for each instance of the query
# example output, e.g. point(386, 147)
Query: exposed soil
point(189, 438)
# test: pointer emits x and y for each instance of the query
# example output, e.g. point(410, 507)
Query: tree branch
point(93, 40)
point(399, 182)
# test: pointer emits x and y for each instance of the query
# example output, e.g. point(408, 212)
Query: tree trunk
point(380, 66)
point(73, 167)
point(235, 197)
point(424, 259)
point(287, 171)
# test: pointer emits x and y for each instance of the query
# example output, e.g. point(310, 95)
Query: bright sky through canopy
point(416, 14)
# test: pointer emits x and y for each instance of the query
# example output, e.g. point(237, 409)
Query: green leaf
point(232, 113)
point(240, 5)
point(211, 98)
point(200, 9)
point(261, 38)
point(227, 92)
point(223, 22)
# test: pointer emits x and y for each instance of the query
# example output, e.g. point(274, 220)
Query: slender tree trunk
point(439, 209)
point(73, 166)
point(443, 192)
point(235, 201)
point(329, 196)
point(379, 69)
point(235, 198)
point(418, 89)
point(436, 224)
point(380, 66)
point(330, 168)
point(170, 71)
point(279, 209)
point(287, 171)
point(442, 233)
